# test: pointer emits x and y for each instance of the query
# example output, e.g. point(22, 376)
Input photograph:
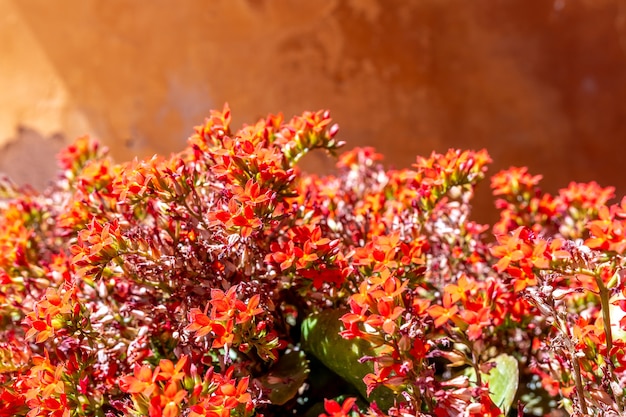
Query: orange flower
point(441, 315)
point(142, 381)
point(169, 402)
point(199, 323)
point(50, 314)
point(169, 372)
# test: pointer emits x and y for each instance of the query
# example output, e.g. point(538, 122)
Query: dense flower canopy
point(180, 286)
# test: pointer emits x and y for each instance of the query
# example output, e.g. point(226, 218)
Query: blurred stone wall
point(537, 83)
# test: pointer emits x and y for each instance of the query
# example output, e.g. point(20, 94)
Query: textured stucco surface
point(538, 83)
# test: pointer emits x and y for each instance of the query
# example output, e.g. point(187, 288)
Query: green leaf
point(286, 377)
point(320, 337)
point(503, 380)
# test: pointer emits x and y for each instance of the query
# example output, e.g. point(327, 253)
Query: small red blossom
point(334, 409)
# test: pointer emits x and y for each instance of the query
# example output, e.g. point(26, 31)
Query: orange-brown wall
point(538, 83)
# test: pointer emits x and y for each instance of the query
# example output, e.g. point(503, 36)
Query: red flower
point(333, 408)
point(199, 323)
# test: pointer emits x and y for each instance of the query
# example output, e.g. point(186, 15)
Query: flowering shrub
point(222, 282)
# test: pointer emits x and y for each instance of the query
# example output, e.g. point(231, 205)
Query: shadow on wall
point(30, 157)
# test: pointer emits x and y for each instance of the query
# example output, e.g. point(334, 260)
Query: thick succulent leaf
point(503, 380)
point(286, 377)
point(320, 337)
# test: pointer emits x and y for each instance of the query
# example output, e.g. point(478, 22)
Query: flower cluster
point(162, 391)
point(221, 281)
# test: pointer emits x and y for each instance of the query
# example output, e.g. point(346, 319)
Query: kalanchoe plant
point(222, 282)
